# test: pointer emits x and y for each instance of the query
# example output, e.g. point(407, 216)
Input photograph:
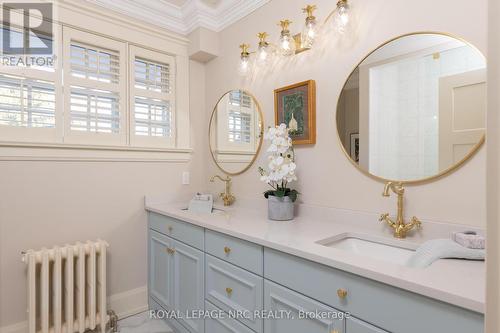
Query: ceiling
point(184, 16)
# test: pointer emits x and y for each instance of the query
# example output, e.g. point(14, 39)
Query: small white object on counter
point(201, 203)
point(470, 239)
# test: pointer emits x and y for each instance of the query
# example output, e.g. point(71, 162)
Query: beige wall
point(47, 203)
point(493, 144)
point(326, 177)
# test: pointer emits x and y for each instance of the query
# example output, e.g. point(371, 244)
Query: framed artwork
point(295, 106)
point(355, 147)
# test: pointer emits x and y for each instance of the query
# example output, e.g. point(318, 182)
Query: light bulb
point(287, 43)
point(244, 59)
point(244, 65)
point(341, 19)
point(309, 34)
point(310, 29)
point(263, 50)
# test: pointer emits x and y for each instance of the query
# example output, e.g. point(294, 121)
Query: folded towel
point(469, 239)
point(436, 249)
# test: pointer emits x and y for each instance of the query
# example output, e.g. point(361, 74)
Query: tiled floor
point(141, 323)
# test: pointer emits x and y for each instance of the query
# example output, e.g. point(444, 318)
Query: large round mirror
point(236, 129)
point(415, 108)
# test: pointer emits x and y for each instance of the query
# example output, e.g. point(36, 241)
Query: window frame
point(92, 138)
point(153, 56)
point(39, 135)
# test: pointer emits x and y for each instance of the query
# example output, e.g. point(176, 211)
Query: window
point(115, 94)
point(152, 98)
point(239, 126)
point(95, 100)
point(26, 102)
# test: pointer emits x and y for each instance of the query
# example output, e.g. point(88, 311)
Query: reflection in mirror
point(235, 131)
point(414, 108)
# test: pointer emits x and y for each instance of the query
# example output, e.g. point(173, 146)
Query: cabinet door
point(297, 313)
point(189, 290)
point(354, 325)
point(160, 269)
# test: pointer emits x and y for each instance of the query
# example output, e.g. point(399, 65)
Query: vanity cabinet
point(191, 268)
point(176, 279)
point(298, 313)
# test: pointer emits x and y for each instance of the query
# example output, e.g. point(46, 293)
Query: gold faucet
point(400, 227)
point(227, 197)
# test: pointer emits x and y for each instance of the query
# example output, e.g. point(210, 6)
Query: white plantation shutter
point(152, 98)
point(239, 126)
point(95, 99)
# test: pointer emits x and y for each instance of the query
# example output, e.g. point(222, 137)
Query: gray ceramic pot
point(280, 209)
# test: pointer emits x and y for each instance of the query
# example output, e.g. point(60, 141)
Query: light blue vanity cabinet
point(298, 313)
point(191, 268)
point(177, 279)
point(390, 308)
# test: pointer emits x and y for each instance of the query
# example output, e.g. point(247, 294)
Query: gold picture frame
point(300, 99)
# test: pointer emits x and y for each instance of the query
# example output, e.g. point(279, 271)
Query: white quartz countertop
point(458, 282)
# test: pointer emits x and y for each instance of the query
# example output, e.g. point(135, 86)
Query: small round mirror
point(415, 108)
point(236, 128)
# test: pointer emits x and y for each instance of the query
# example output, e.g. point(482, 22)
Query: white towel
point(437, 249)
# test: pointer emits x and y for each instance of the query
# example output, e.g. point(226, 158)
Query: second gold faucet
point(226, 196)
point(400, 227)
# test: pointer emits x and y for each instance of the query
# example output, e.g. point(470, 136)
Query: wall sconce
point(263, 50)
point(244, 59)
point(287, 43)
point(310, 29)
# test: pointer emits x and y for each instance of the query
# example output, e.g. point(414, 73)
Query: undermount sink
point(394, 251)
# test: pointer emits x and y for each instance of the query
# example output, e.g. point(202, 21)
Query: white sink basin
point(394, 251)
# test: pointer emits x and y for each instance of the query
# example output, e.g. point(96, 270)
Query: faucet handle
point(416, 222)
point(383, 217)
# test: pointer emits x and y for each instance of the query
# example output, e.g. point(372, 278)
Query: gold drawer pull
point(229, 291)
point(342, 293)
point(170, 250)
point(227, 250)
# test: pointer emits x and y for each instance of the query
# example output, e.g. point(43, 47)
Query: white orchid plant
point(281, 167)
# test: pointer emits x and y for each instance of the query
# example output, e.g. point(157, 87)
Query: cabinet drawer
point(354, 325)
point(402, 311)
point(300, 314)
point(182, 231)
point(236, 251)
point(223, 324)
point(234, 289)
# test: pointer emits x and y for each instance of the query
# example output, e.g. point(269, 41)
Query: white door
point(462, 115)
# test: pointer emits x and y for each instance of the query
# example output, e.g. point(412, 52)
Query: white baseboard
point(129, 303)
point(124, 304)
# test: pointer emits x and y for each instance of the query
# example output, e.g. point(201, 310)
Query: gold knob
point(170, 228)
point(335, 331)
point(342, 293)
point(170, 250)
point(227, 250)
point(229, 291)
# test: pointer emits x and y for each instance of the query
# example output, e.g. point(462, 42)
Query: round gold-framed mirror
point(236, 131)
point(414, 109)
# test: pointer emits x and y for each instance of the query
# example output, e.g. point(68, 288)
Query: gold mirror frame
point(439, 175)
point(261, 133)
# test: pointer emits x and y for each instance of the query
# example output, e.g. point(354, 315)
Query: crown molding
point(184, 19)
